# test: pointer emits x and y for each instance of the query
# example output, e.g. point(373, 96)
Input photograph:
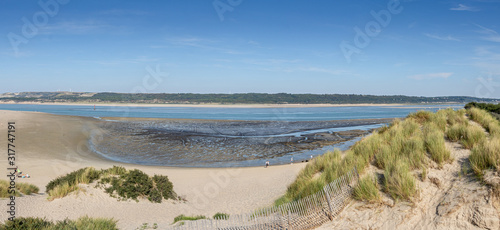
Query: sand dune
point(49, 146)
point(450, 198)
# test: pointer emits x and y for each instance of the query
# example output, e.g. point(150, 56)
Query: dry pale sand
point(208, 105)
point(450, 198)
point(49, 146)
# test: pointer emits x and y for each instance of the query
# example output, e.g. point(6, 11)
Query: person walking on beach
point(267, 164)
point(291, 161)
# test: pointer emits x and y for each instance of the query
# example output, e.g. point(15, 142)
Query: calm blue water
point(283, 114)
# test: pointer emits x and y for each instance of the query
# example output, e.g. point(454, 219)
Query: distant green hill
point(239, 98)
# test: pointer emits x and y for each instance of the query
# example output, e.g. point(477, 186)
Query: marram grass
point(367, 190)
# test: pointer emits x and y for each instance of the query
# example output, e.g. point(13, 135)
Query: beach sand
point(48, 146)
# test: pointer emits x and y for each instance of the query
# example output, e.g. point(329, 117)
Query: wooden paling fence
point(306, 213)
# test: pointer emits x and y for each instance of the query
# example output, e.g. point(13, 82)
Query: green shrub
point(367, 190)
point(127, 184)
point(165, 187)
point(83, 223)
point(155, 196)
point(28, 223)
point(134, 184)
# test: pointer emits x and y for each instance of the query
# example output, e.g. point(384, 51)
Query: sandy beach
point(49, 146)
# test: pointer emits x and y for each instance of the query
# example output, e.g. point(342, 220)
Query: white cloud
point(448, 38)
point(123, 12)
point(490, 34)
point(462, 7)
point(74, 27)
point(200, 43)
point(327, 71)
point(430, 76)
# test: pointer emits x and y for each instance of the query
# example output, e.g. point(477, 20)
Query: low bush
point(28, 223)
point(126, 184)
point(165, 186)
point(83, 223)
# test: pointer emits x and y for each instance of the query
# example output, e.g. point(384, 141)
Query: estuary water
point(227, 137)
point(263, 114)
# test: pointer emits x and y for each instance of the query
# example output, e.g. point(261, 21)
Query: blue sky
point(426, 48)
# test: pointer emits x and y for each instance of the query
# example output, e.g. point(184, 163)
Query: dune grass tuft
point(486, 120)
point(398, 181)
point(435, 145)
point(183, 217)
point(27, 189)
point(62, 190)
point(486, 155)
point(367, 190)
point(456, 132)
point(21, 188)
point(473, 135)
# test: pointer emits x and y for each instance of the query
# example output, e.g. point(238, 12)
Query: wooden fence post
point(289, 219)
point(327, 195)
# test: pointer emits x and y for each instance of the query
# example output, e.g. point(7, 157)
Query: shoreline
point(53, 145)
point(224, 105)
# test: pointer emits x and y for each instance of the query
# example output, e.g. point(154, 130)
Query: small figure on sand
point(21, 174)
point(267, 164)
point(291, 161)
point(311, 157)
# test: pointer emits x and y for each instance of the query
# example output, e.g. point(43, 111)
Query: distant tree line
point(239, 98)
